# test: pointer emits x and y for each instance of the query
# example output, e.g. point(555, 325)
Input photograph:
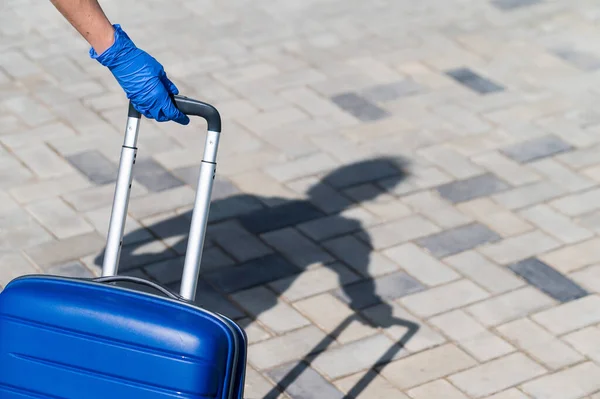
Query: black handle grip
point(137, 280)
point(194, 107)
point(191, 107)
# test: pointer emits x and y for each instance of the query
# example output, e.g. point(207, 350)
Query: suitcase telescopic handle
point(199, 221)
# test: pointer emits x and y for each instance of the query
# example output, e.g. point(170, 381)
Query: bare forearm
point(87, 17)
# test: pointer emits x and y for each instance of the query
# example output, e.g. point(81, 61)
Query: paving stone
point(226, 208)
point(31, 111)
point(548, 280)
point(314, 281)
point(574, 257)
point(502, 221)
point(350, 358)
point(506, 169)
point(95, 166)
point(43, 161)
point(497, 375)
point(325, 198)
point(585, 342)
point(327, 312)
point(335, 225)
point(436, 389)
point(275, 314)
point(369, 292)
point(309, 384)
point(528, 195)
point(273, 119)
point(474, 81)
point(540, 344)
point(509, 5)
point(278, 217)
point(95, 197)
point(298, 249)
point(252, 273)
point(265, 188)
point(371, 170)
point(56, 252)
point(256, 385)
point(451, 162)
point(570, 316)
point(429, 204)
point(164, 201)
point(443, 298)
point(392, 91)
point(512, 393)
point(19, 230)
point(537, 148)
point(398, 232)
point(471, 336)
point(555, 224)
point(582, 60)
point(418, 263)
point(510, 306)
point(222, 187)
point(369, 385)
point(588, 278)
point(133, 232)
point(494, 278)
point(577, 204)
point(573, 383)
point(359, 107)
point(153, 176)
point(427, 366)
point(12, 265)
point(299, 343)
point(471, 188)
point(457, 240)
point(580, 158)
point(561, 175)
point(70, 269)
point(520, 247)
point(236, 240)
point(359, 256)
point(59, 218)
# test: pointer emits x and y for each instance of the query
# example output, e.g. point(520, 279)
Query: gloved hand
point(142, 78)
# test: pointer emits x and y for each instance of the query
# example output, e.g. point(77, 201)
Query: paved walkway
point(408, 198)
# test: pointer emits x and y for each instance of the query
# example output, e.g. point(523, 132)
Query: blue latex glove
point(142, 78)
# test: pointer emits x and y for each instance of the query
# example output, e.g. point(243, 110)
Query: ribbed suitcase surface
point(75, 339)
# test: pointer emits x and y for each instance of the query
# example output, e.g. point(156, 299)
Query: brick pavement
point(407, 194)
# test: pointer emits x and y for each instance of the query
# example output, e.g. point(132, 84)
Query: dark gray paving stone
point(329, 227)
point(583, 61)
point(392, 91)
point(532, 150)
point(210, 299)
point(166, 272)
point(278, 217)
point(459, 239)
point(302, 382)
point(252, 273)
point(360, 107)
point(226, 208)
point(154, 176)
point(95, 166)
point(369, 292)
point(70, 269)
point(548, 280)
point(222, 188)
point(367, 171)
point(474, 81)
point(471, 188)
point(507, 5)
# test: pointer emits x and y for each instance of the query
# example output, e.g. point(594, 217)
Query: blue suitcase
point(106, 338)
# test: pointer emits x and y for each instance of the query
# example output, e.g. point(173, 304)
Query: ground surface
point(408, 193)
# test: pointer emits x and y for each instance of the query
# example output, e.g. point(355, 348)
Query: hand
point(142, 78)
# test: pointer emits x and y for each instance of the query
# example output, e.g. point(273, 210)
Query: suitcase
point(76, 338)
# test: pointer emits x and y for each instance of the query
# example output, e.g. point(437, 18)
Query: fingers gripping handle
point(200, 212)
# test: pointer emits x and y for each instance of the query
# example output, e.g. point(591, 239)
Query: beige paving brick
point(496, 279)
point(328, 312)
point(573, 383)
point(519, 247)
point(421, 265)
point(256, 385)
point(497, 375)
point(400, 231)
point(588, 278)
point(528, 195)
point(156, 203)
point(506, 169)
point(555, 224)
point(378, 387)
point(443, 298)
point(586, 342)
point(272, 119)
point(431, 205)
point(539, 343)
point(55, 252)
point(95, 197)
point(451, 162)
point(13, 265)
point(570, 316)
point(510, 306)
point(59, 218)
point(574, 257)
point(561, 175)
point(577, 204)
point(49, 188)
point(427, 366)
point(505, 222)
point(512, 393)
point(436, 389)
point(44, 162)
point(301, 167)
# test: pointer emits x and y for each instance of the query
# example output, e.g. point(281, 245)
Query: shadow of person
point(258, 247)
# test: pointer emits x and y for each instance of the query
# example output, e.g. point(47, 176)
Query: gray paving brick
point(508, 5)
point(164, 201)
point(237, 241)
point(153, 176)
point(536, 149)
point(307, 385)
point(471, 188)
point(366, 293)
point(459, 239)
point(474, 81)
point(320, 195)
point(56, 252)
point(298, 249)
point(334, 225)
point(70, 269)
point(95, 166)
point(548, 280)
point(359, 107)
point(582, 60)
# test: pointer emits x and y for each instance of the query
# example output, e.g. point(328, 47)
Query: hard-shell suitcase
point(76, 338)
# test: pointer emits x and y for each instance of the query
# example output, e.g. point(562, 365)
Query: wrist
point(104, 40)
point(120, 45)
